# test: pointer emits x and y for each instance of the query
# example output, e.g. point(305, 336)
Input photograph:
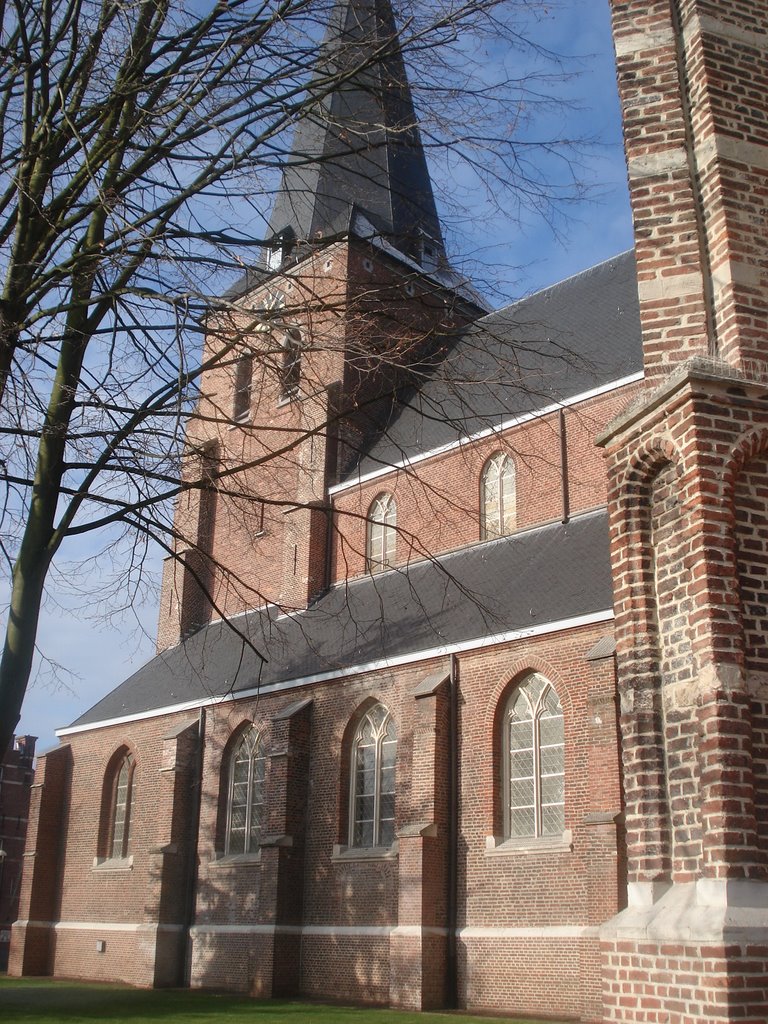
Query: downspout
point(330, 517)
point(452, 981)
point(564, 468)
point(190, 898)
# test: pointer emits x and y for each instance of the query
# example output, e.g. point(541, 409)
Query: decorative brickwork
point(750, 503)
point(690, 586)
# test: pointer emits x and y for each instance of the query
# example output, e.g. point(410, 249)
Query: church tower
point(688, 466)
point(308, 351)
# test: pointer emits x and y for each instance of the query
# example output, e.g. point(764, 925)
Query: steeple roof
point(357, 156)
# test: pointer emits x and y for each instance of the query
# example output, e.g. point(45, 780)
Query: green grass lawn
point(51, 1002)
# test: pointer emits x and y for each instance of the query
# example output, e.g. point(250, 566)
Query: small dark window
point(243, 387)
point(291, 365)
point(259, 518)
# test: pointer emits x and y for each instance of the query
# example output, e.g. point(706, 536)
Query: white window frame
point(537, 707)
point(499, 470)
point(381, 539)
point(255, 739)
point(380, 735)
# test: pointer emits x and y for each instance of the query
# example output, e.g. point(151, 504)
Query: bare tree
point(140, 145)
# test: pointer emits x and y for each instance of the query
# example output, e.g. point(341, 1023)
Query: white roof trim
point(478, 643)
point(513, 421)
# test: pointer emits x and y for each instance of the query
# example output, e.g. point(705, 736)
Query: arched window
point(122, 805)
point(372, 790)
point(245, 796)
point(533, 761)
point(382, 526)
point(497, 497)
point(290, 370)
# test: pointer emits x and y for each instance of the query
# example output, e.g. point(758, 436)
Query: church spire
point(357, 163)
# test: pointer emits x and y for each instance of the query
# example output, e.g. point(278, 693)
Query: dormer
point(281, 249)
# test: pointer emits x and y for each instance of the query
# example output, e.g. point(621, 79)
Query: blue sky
point(95, 652)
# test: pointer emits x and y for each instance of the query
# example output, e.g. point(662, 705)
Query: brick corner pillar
point(688, 554)
point(693, 939)
point(171, 857)
point(32, 936)
point(282, 851)
point(419, 943)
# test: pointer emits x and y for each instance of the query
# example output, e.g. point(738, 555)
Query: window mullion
point(127, 821)
point(500, 492)
point(248, 792)
point(537, 773)
point(353, 790)
point(376, 789)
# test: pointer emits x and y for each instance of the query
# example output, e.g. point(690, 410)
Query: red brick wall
point(675, 983)
point(545, 899)
point(688, 557)
point(337, 923)
point(71, 886)
point(361, 332)
point(692, 83)
point(751, 501)
point(438, 500)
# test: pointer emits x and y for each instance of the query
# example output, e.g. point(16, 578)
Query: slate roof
point(523, 581)
point(360, 147)
point(575, 336)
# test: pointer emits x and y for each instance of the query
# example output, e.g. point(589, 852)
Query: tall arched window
point(372, 790)
point(497, 497)
point(122, 806)
point(533, 761)
point(290, 370)
point(382, 532)
point(245, 797)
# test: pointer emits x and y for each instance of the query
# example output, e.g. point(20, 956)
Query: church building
point(461, 688)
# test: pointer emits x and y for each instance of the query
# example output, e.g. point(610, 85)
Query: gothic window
point(122, 805)
point(382, 526)
point(497, 497)
point(533, 761)
point(241, 406)
point(245, 798)
point(290, 371)
point(372, 790)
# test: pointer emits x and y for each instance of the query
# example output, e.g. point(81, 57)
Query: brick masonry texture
point(687, 502)
point(650, 907)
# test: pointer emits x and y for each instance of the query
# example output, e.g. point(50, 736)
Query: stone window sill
point(107, 865)
point(233, 860)
point(289, 398)
point(499, 847)
point(243, 420)
point(346, 854)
